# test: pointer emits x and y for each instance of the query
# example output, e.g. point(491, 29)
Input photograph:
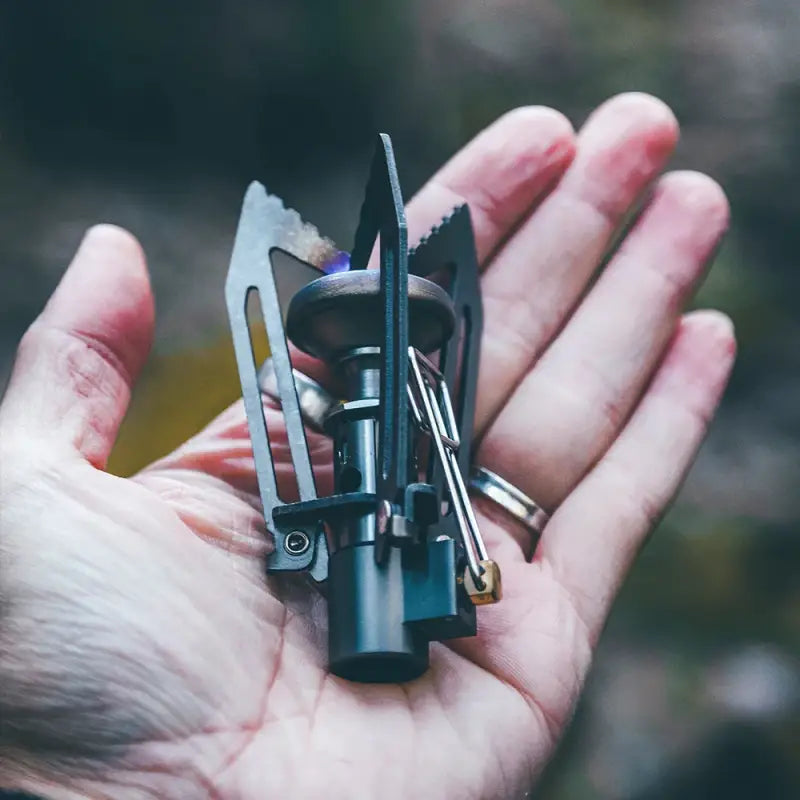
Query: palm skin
point(142, 651)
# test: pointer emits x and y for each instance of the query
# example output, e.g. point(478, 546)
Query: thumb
point(77, 363)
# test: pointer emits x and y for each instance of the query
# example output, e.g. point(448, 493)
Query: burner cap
point(344, 311)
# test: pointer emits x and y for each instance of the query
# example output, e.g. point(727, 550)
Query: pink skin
point(142, 651)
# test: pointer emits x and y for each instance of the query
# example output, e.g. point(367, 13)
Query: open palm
point(143, 652)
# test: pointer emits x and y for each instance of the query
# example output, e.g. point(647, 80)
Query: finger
point(571, 405)
point(210, 481)
point(223, 450)
point(77, 362)
point(539, 275)
point(593, 538)
point(501, 174)
point(561, 600)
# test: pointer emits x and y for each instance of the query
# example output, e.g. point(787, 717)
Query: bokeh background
point(155, 116)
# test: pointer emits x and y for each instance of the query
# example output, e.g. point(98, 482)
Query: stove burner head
point(396, 549)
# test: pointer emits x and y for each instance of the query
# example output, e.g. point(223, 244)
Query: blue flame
point(339, 263)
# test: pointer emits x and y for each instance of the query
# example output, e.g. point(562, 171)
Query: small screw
point(296, 543)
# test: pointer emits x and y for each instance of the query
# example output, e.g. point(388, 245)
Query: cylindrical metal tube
point(362, 370)
point(368, 639)
point(356, 444)
point(354, 469)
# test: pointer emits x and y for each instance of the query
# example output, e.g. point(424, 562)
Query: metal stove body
point(396, 548)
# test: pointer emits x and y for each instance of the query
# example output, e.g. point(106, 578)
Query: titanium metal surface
point(450, 246)
point(512, 499)
point(383, 213)
point(315, 402)
point(265, 225)
point(446, 443)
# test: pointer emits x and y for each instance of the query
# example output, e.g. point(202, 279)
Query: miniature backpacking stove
point(396, 547)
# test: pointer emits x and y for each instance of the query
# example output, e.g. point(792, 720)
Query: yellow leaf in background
point(177, 394)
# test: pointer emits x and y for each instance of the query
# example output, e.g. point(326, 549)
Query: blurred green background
point(155, 116)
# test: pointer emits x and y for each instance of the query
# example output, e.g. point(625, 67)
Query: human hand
point(143, 653)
